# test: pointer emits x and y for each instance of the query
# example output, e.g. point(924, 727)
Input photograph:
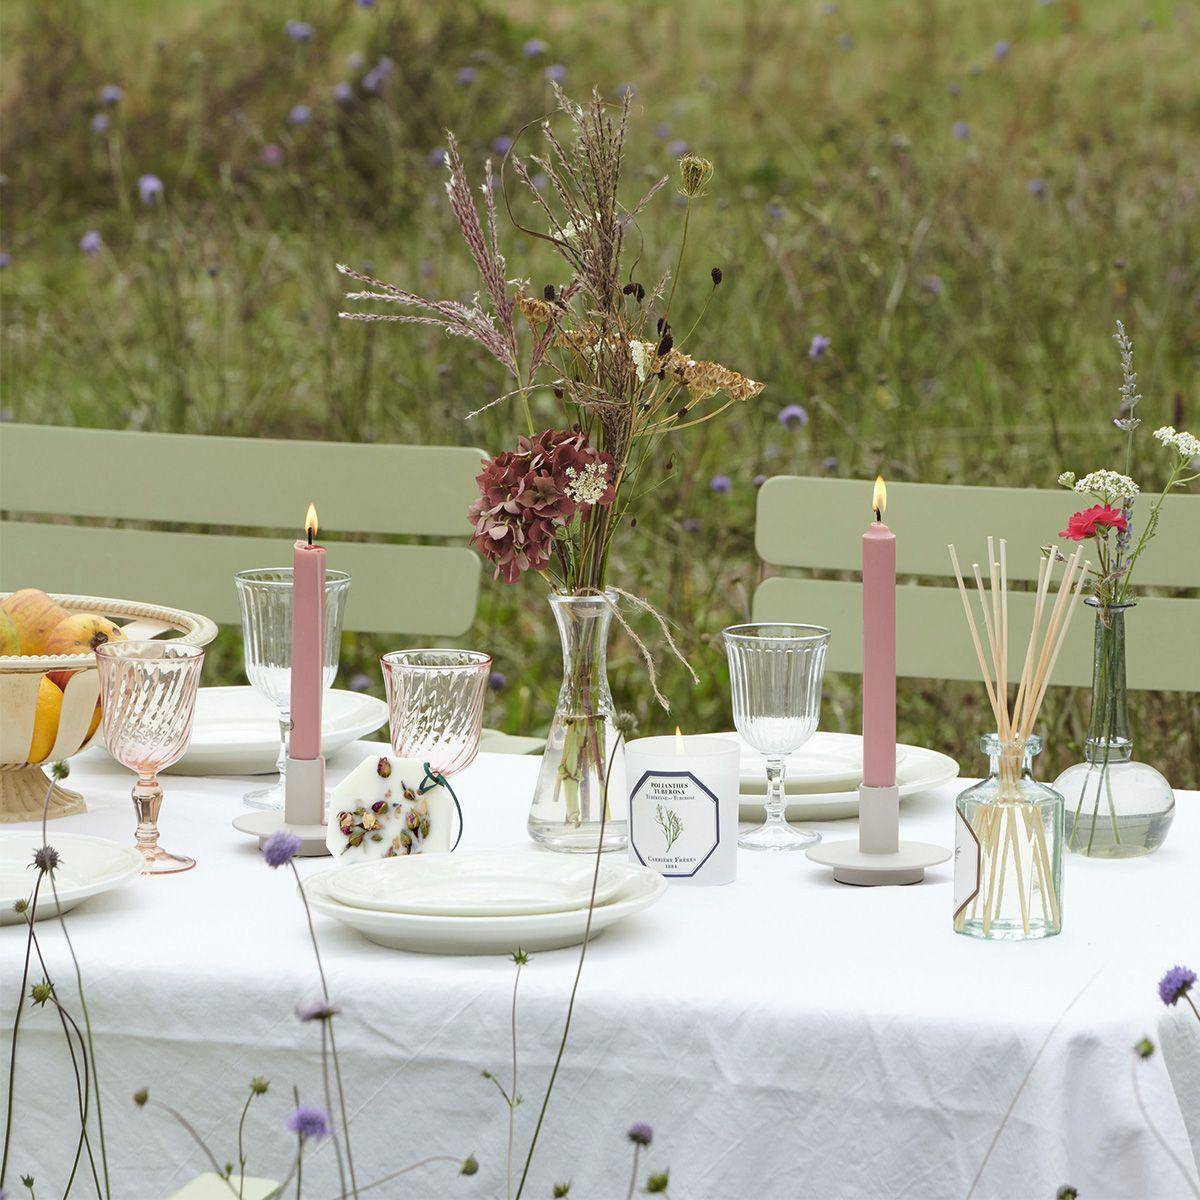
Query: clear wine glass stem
point(147, 800)
point(285, 733)
point(776, 804)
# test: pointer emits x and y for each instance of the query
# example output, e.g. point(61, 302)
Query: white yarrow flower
point(1067, 479)
point(1187, 444)
point(638, 351)
point(1111, 487)
point(1166, 435)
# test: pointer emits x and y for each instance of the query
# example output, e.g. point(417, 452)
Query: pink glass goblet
point(148, 696)
point(435, 705)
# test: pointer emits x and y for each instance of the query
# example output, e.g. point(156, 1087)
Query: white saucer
point(87, 866)
point(486, 883)
point(236, 731)
point(827, 762)
point(639, 888)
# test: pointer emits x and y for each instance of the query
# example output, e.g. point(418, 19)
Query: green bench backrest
point(247, 485)
point(817, 524)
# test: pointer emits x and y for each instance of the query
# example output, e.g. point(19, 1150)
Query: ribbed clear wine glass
point(148, 697)
point(435, 705)
point(265, 596)
point(776, 672)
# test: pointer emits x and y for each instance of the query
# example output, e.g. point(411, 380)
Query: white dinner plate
point(489, 883)
point(919, 770)
point(640, 887)
point(86, 867)
point(828, 762)
point(236, 731)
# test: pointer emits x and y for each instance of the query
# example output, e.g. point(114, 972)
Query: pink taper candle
point(879, 647)
point(308, 633)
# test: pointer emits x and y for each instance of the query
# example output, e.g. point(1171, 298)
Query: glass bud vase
point(1116, 808)
point(1008, 849)
point(582, 749)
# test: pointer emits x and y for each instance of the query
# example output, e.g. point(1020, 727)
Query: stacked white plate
point(87, 867)
point(821, 780)
point(488, 902)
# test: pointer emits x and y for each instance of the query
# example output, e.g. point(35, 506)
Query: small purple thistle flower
point(343, 93)
point(299, 31)
point(829, 464)
point(961, 130)
point(436, 157)
point(317, 1010)
point(775, 212)
point(373, 81)
point(465, 75)
point(1000, 49)
point(91, 242)
point(309, 1122)
point(280, 848)
point(150, 189)
point(5, 260)
point(100, 123)
point(818, 346)
point(677, 148)
point(299, 115)
point(556, 72)
point(793, 416)
point(501, 144)
point(721, 484)
point(111, 94)
point(534, 48)
point(1037, 188)
point(1175, 983)
point(662, 130)
point(640, 1134)
point(271, 155)
point(691, 525)
point(360, 682)
point(496, 681)
point(759, 480)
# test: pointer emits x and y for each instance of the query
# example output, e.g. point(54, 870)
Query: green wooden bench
point(234, 490)
point(817, 524)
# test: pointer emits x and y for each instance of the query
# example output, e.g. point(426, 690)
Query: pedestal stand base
point(263, 823)
point(304, 806)
point(852, 865)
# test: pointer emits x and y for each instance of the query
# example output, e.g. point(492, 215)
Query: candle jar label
point(966, 863)
point(674, 823)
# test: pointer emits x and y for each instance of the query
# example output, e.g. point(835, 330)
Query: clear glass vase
point(582, 748)
point(1008, 849)
point(1116, 808)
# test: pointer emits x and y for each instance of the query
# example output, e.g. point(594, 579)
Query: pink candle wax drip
point(879, 648)
point(308, 632)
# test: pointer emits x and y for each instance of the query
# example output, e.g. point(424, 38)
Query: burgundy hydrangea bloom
point(527, 493)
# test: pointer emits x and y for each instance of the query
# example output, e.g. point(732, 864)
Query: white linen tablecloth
point(785, 1036)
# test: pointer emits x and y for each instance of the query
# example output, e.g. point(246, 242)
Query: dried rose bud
point(384, 768)
point(379, 806)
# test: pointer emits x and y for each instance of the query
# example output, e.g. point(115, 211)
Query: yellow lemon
point(45, 723)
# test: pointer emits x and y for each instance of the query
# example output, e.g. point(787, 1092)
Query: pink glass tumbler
point(148, 696)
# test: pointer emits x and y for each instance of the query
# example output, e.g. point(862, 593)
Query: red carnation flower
point(1091, 521)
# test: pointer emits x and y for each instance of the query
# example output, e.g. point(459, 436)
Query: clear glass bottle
point(583, 751)
point(1116, 808)
point(1008, 848)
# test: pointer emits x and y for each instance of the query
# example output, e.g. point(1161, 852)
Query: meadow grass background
point(963, 197)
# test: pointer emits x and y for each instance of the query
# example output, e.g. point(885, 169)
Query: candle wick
point(309, 532)
point(878, 517)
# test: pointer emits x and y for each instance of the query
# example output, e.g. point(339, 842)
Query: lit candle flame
point(678, 740)
point(879, 498)
point(310, 523)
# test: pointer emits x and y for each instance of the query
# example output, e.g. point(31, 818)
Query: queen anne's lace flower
point(1188, 444)
point(1109, 486)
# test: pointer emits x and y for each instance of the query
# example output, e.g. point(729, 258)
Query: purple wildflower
point(932, 284)
point(436, 157)
point(5, 260)
point(818, 346)
point(662, 130)
point(496, 681)
point(309, 1122)
point(845, 42)
point(1037, 188)
point(775, 212)
point(373, 80)
point(299, 115)
point(677, 148)
point(539, 182)
point(317, 1010)
point(271, 155)
point(100, 123)
point(954, 88)
point(1000, 49)
point(150, 189)
point(90, 243)
point(640, 1134)
point(360, 682)
point(385, 66)
point(501, 144)
point(759, 480)
point(299, 31)
point(365, 3)
point(556, 72)
point(721, 484)
point(45, 858)
point(465, 75)
point(280, 848)
point(793, 416)
point(691, 525)
point(534, 48)
point(829, 464)
point(961, 130)
point(343, 93)
point(1175, 983)
point(111, 94)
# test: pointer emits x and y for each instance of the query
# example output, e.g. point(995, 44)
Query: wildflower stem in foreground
point(1158, 1137)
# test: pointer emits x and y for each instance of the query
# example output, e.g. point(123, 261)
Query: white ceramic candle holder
point(303, 809)
point(879, 857)
point(683, 807)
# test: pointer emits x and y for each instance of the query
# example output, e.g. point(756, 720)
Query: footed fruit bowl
point(49, 703)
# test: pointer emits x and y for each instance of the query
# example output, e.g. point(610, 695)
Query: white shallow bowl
point(918, 771)
point(236, 731)
point(87, 867)
point(639, 888)
point(827, 762)
point(488, 883)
